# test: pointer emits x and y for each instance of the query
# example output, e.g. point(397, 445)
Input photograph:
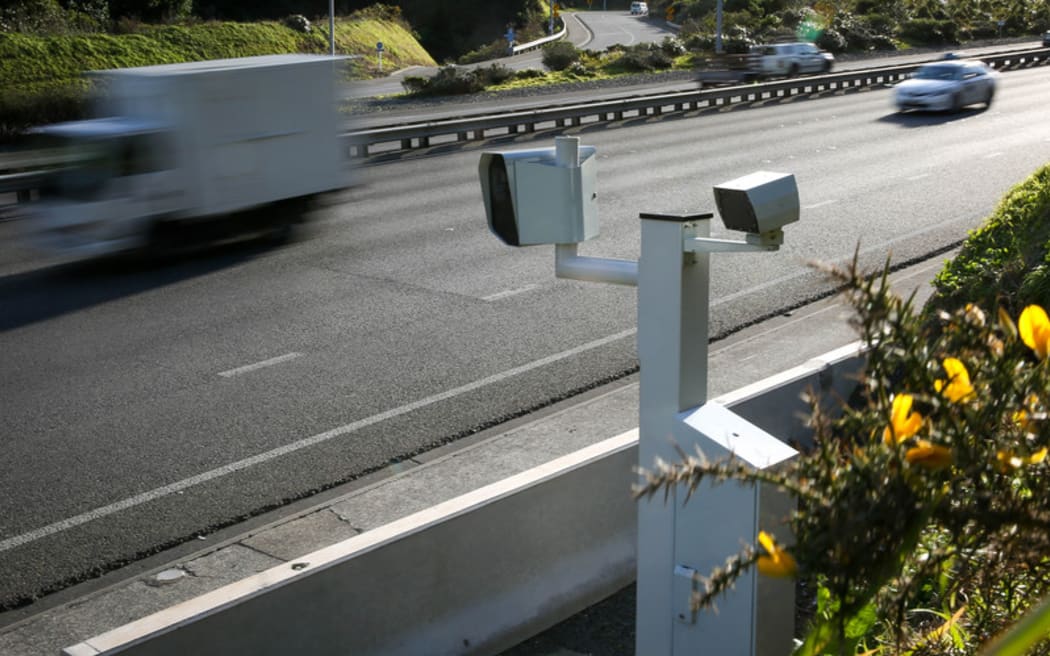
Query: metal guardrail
point(411, 136)
point(21, 172)
point(532, 45)
point(403, 137)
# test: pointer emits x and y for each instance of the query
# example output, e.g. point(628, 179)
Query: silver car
point(947, 85)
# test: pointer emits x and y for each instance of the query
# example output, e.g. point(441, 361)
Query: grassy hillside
point(1007, 260)
point(40, 75)
point(29, 61)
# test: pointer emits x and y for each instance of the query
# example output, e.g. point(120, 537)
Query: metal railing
point(397, 138)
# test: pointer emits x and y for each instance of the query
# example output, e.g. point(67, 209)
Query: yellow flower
point(1009, 460)
point(1023, 417)
point(957, 387)
point(775, 561)
point(903, 422)
point(930, 456)
point(1034, 327)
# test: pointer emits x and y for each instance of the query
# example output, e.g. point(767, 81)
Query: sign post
point(509, 36)
point(379, 52)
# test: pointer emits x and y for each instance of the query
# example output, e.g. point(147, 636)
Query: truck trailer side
point(184, 143)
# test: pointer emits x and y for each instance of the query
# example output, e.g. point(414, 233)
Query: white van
point(639, 9)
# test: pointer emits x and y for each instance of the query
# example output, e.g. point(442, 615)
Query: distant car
point(1046, 39)
point(789, 59)
point(639, 8)
point(947, 85)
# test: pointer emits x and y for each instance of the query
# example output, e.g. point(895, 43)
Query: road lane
point(414, 325)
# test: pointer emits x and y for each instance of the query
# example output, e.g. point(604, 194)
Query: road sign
point(379, 46)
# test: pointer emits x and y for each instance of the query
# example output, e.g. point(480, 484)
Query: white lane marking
point(233, 467)
point(918, 177)
point(994, 155)
point(820, 204)
point(510, 292)
point(259, 365)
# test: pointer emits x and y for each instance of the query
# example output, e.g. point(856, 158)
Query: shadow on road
point(53, 291)
point(920, 119)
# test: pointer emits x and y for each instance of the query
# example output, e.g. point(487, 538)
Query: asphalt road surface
point(146, 406)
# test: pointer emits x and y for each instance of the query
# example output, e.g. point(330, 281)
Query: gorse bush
point(559, 55)
point(923, 510)
point(450, 80)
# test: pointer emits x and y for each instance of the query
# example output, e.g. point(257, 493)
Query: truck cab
point(117, 176)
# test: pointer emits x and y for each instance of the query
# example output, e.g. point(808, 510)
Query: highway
point(147, 406)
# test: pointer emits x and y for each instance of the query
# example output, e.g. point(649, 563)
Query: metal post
point(331, 27)
point(672, 351)
point(718, 27)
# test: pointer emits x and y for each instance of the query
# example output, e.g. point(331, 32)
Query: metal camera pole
point(676, 543)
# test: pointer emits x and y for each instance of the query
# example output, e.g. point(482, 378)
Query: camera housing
point(759, 202)
point(541, 195)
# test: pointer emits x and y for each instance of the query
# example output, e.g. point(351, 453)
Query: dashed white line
point(229, 373)
point(994, 155)
point(510, 292)
point(820, 204)
point(918, 177)
point(233, 467)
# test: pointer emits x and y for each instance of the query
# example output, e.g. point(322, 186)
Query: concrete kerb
point(474, 574)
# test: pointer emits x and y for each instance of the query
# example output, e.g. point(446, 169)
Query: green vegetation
point(859, 25)
point(40, 74)
point(1007, 260)
point(850, 26)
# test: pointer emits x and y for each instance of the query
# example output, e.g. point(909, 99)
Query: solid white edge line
point(219, 472)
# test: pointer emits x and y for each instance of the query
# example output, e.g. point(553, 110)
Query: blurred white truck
point(251, 140)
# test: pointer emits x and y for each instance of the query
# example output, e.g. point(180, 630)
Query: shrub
point(929, 31)
point(297, 22)
point(833, 41)
point(530, 74)
point(450, 80)
point(20, 110)
point(487, 52)
point(672, 46)
point(33, 17)
point(495, 73)
point(1006, 259)
point(151, 11)
point(559, 55)
point(922, 520)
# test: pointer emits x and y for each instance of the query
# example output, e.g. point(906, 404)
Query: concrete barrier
point(473, 575)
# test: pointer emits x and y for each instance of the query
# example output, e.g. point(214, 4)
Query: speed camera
point(541, 195)
point(759, 202)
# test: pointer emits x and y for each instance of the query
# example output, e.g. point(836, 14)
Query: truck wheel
point(284, 216)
